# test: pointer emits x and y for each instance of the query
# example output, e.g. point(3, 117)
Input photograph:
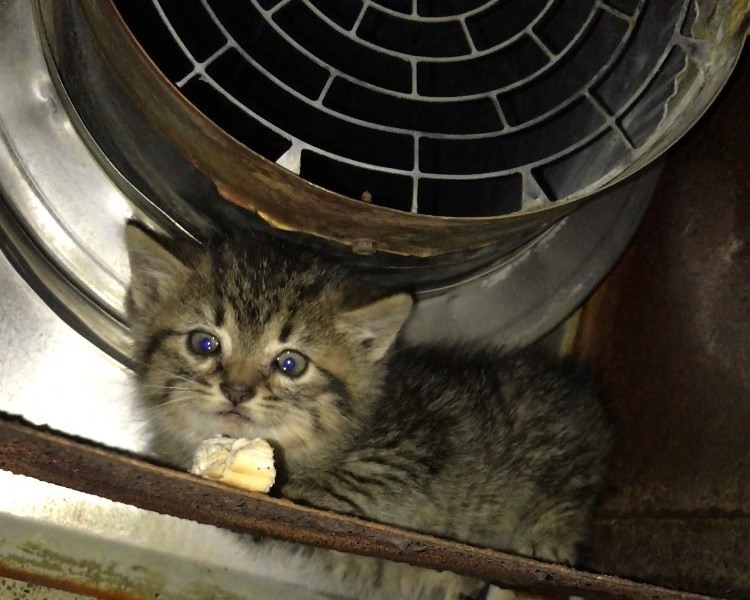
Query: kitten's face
point(252, 346)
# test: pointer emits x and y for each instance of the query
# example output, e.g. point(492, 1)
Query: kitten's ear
point(154, 268)
point(376, 325)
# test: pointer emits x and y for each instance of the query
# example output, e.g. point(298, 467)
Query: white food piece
point(242, 463)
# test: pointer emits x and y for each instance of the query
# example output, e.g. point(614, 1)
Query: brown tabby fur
point(498, 450)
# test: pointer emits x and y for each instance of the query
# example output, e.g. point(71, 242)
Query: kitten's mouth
point(232, 414)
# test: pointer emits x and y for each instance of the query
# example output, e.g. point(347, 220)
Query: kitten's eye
point(203, 343)
point(291, 363)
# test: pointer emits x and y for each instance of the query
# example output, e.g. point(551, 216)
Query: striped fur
point(501, 451)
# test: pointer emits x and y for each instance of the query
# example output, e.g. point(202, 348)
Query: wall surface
point(669, 332)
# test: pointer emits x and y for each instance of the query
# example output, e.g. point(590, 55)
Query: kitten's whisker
point(165, 387)
point(174, 375)
point(166, 372)
point(178, 400)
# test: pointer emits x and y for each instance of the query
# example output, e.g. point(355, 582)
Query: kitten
point(260, 339)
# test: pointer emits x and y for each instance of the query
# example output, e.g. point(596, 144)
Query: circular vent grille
point(461, 108)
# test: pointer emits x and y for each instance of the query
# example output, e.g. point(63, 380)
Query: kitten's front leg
point(249, 464)
point(322, 489)
point(556, 532)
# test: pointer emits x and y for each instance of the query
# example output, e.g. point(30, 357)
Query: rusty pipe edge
point(266, 190)
point(80, 465)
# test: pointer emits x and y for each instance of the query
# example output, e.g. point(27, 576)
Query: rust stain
point(66, 585)
point(40, 565)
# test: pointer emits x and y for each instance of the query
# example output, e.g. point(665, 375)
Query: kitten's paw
point(241, 463)
point(561, 554)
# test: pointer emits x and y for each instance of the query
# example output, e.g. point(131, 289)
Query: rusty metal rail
point(83, 466)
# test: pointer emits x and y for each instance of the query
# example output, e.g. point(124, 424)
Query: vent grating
point(448, 108)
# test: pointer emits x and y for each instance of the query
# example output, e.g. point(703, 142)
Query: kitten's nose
point(236, 394)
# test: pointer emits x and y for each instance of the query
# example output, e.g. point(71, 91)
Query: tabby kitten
point(259, 339)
